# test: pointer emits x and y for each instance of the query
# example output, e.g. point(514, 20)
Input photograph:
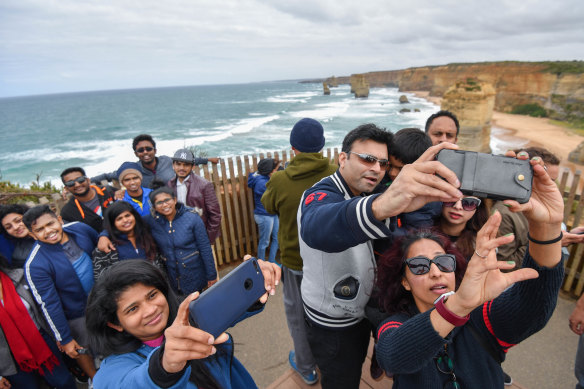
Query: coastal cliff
point(556, 86)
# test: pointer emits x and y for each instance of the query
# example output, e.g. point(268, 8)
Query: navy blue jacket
point(54, 283)
point(257, 182)
point(184, 243)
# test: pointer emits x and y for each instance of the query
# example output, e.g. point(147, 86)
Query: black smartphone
point(486, 175)
point(219, 307)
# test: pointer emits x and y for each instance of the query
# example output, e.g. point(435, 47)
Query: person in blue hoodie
point(135, 321)
point(267, 223)
point(59, 273)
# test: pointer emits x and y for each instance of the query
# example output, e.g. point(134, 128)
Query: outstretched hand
point(483, 280)
point(546, 204)
point(418, 184)
point(184, 342)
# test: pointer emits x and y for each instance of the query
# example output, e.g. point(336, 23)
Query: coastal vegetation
point(11, 193)
point(532, 109)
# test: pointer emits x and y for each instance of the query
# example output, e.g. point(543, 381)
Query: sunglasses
point(421, 265)
point(142, 149)
point(370, 160)
point(468, 203)
point(445, 365)
point(79, 180)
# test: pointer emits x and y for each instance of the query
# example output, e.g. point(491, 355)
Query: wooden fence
point(239, 234)
point(573, 208)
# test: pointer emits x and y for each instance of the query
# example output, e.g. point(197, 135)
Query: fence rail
point(239, 234)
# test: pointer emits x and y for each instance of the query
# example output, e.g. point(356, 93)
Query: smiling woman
point(135, 321)
point(13, 228)
point(130, 236)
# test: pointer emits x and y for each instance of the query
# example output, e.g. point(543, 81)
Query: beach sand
point(514, 131)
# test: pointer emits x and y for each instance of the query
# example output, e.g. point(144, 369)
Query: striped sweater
point(407, 346)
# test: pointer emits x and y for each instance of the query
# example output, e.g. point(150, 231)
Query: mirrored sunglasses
point(142, 149)
point(370, 160)
point(421, 265)
point(468, 203)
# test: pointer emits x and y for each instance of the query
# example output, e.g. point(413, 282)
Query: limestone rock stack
point(332, 82)
point(326, 89)
point(577, 155)
point(359, 85)
point(472, 102)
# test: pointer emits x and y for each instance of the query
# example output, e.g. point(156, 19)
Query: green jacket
point(282, 197)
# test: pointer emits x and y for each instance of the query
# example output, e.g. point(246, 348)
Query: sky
point(55, 46)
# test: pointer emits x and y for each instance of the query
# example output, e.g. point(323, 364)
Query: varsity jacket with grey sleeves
point(335, 230)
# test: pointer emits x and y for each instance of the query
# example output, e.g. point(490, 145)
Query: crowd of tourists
point(382, 246)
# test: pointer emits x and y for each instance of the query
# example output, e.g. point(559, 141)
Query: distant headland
point(556, 87)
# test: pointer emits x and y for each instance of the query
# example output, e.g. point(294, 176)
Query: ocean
point(42, 135)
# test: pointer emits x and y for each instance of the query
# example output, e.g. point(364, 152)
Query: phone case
point(219, 307)
point(486, 175)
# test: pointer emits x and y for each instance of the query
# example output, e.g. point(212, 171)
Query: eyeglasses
point(445, 365)
point(79, 180)
point(370, 160)
point(142, 149)
point(162, 202)
point(468, 203)
point(421, 265)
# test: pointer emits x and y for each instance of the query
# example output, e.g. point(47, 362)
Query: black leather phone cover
point(486, 175)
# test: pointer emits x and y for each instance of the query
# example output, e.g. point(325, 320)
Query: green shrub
point(533, 109)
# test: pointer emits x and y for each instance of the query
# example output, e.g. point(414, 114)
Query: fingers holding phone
point(272, 274)
point(184, 342)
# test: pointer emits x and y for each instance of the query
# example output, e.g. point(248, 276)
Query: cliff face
point(548, 84)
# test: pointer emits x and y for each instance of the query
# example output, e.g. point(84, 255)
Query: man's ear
point(404, 283)
point(115, 326)
point(60, 219)
point(342, 158)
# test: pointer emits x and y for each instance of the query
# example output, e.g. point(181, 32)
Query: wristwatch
point(447, 314)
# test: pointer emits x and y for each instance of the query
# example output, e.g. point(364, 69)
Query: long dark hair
point(466, 242)
point(102, 307)
point(141, 231)
point(391, 294)
point(7, 209)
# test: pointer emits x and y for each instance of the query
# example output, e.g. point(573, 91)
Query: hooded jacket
point(184, 243)
point(257, 182)
point(282, 197)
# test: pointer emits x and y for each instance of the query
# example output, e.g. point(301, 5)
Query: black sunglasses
point(421, 265)
point(445, 365)
point(468, 203)
point(79, 180)
point(142, 149)
point(370, 160)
